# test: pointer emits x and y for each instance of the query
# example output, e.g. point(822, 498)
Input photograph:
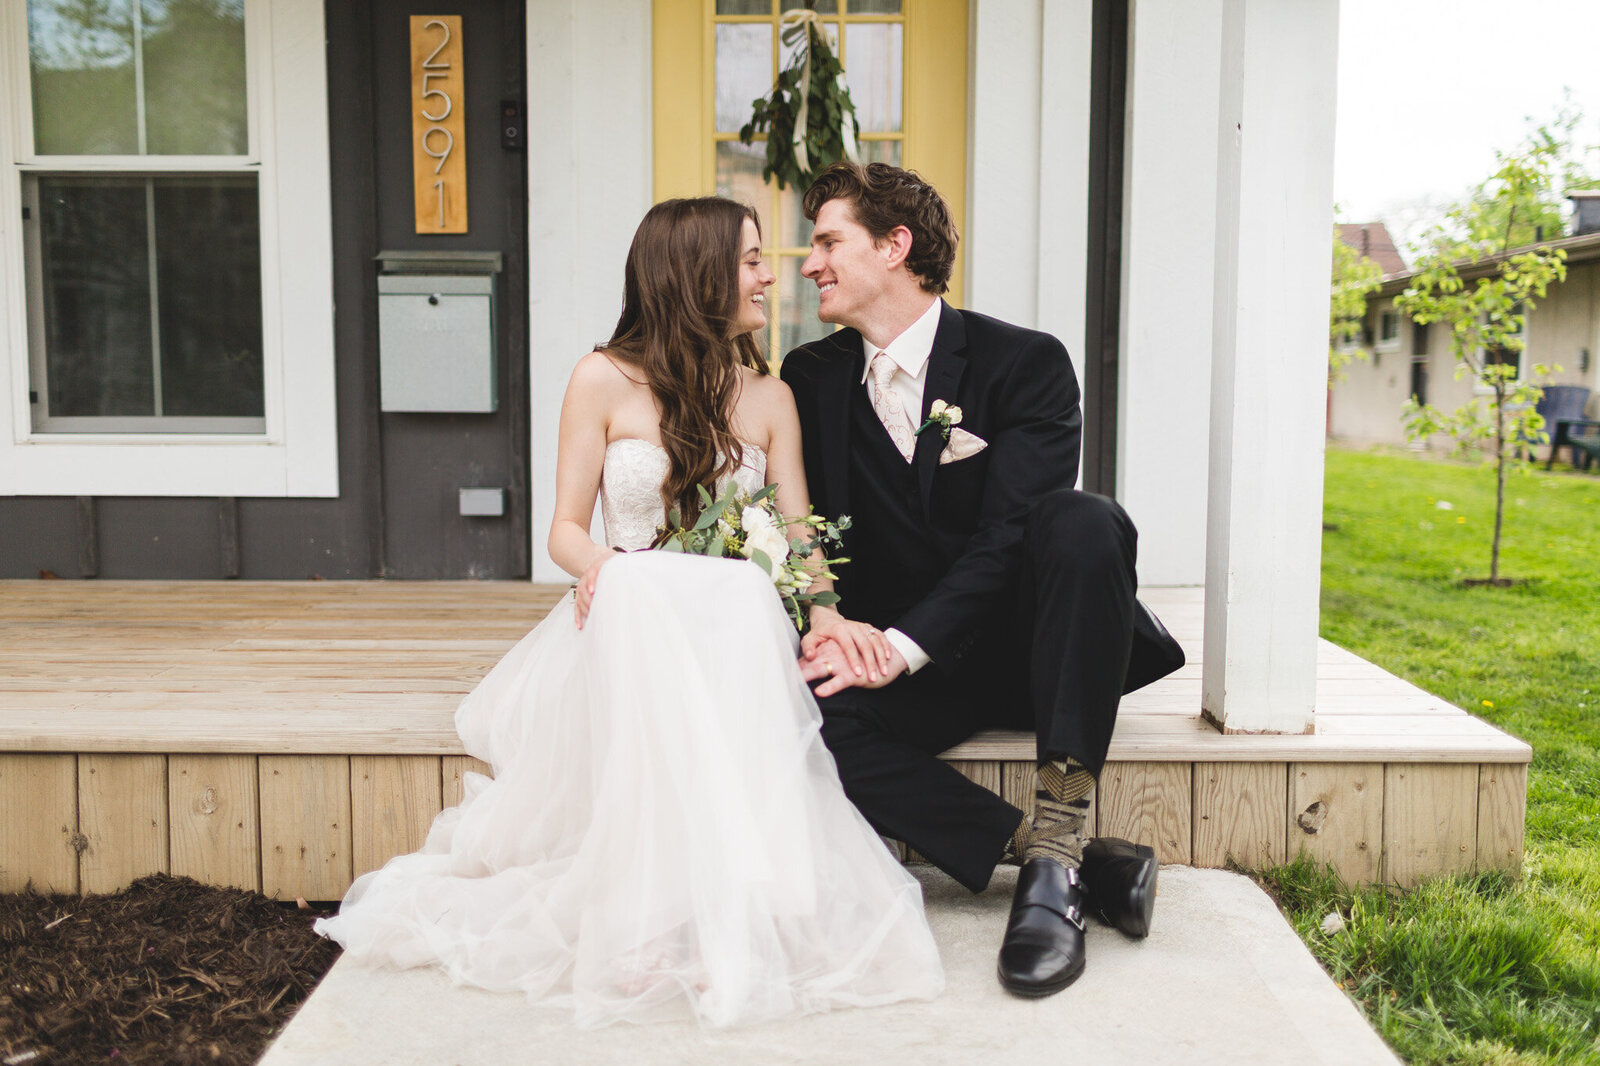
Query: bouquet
point(738, 524)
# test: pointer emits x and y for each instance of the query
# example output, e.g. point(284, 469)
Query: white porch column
point(1269, 363)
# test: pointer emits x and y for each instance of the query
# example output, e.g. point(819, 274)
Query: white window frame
point(1392, 344)
point(297, 454)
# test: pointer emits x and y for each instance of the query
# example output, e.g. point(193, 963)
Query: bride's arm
point(866, 649)
point(580, 455)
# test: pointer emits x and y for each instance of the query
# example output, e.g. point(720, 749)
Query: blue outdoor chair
point(1562, 408)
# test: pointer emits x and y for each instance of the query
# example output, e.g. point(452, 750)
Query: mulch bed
point(166, 971)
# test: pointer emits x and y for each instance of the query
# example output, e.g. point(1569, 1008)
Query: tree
point(1355, 276)
point(1485, 314)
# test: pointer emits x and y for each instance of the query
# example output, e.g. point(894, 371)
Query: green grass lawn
point(1487, 970)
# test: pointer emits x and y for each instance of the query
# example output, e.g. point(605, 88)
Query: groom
point(1006, 595)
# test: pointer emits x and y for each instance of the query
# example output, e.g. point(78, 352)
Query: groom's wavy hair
point(883, 197)
point(680, 308)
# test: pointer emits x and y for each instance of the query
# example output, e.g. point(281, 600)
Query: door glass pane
point(873, 73)
point(795, 228)
point(881, 152)
point(95, 275)
point(80, 58)
point(739, 176)
point(822, 7)
point(744, 70)
point(744, 7)
point(787, 52)
point(104, 309)
point(874, 7)
point(121, 77)
point(797, 315)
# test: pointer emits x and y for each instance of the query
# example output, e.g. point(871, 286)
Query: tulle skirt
point(664, 835)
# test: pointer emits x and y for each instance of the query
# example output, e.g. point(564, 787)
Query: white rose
point(936, 408)
point(756, 520)
point(954, 414)
point(770, 542)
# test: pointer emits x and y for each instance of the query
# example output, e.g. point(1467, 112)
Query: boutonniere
point(944, 415)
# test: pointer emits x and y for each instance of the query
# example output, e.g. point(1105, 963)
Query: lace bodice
point(630, 488)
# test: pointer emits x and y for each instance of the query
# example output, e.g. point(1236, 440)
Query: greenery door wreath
point(809, 120)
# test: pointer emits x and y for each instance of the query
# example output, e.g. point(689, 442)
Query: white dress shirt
point(910, 352)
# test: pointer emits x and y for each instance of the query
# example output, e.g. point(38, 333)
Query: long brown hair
point(680, 306)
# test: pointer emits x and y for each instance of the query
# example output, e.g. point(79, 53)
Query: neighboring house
point(218, 252)
point(1401, 358)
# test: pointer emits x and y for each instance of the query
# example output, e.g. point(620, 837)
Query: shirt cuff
point(909, 650)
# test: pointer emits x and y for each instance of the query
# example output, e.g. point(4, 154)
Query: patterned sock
point(1061, 811)
point(1017, 846)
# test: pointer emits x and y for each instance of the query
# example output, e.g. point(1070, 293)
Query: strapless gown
point(664, 834)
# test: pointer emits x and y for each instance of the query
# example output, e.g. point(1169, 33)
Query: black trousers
point(1054, 664)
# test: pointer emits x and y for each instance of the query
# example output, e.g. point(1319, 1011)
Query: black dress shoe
point(1119, 878)
point(1042, 952)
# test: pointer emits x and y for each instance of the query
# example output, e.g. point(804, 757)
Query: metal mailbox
point(436, 335)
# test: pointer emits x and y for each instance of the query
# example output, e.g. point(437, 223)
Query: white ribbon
point(808, 21)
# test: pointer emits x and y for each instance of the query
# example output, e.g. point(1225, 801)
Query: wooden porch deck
point(290, 736)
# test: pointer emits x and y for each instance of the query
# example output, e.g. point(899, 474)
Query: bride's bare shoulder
point(603, 373)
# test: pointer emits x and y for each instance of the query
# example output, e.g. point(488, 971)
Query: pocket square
point(962, 445)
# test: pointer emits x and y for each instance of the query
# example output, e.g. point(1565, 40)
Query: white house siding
point(589, 181)
point(1169, 238)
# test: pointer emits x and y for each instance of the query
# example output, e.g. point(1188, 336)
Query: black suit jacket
point(1017, 391)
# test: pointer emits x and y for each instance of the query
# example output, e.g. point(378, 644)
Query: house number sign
point(438, 124)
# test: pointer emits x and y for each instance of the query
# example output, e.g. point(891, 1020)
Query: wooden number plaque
point(438, 124)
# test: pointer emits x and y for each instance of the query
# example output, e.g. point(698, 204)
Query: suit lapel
point(833, 416)
point(946, 365)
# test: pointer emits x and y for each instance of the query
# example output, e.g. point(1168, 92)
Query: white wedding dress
point(665, 834)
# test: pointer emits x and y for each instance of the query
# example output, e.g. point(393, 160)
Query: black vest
point(894, 556)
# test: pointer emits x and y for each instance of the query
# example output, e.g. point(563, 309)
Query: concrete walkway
point(1222, 979)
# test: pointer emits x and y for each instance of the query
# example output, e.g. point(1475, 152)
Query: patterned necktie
point(888, 406)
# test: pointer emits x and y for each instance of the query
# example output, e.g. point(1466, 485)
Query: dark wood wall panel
point(158, 538)
point(38, 534)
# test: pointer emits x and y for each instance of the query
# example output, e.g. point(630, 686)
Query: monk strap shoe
point(1043, 949)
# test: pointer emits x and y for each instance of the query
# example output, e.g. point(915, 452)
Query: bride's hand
point(585, 587)
point(865, 647)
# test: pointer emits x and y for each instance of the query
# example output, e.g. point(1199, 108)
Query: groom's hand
point(830, 666)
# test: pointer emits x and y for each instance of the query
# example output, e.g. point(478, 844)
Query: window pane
point(95, 280)
point(744, 7)
point(874, 7)
point(80, 58)
point(744, 70)
point(797, 315)
point(194, 77)
point(823, 7)
point(739, 175)
point(208, 256)
point(873, 72)
point(98, 238)
point(182, 93)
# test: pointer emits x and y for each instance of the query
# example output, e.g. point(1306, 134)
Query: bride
point(664, 834)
